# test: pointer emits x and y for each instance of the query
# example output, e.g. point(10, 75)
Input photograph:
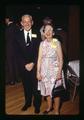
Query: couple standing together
point(40, 63)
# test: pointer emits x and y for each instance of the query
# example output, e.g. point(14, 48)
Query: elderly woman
point(49, 67)
point(46, 21)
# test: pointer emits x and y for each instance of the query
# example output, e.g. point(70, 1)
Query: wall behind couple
point(64, 16)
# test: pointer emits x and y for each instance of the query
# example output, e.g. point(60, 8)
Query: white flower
point(54, 43)
point(34, 35)
point(54, 40)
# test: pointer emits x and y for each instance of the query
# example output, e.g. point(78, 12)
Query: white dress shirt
point(25, 34)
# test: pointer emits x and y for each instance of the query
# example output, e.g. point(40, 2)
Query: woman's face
point(48, 31)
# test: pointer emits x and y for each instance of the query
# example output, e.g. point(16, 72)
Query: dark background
point(59, 13)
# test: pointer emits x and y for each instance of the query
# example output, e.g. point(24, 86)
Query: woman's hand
point(39, 76)
point(59, 76)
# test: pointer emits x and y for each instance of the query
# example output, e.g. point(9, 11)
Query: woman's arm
point(60, 60)
point(39, 63)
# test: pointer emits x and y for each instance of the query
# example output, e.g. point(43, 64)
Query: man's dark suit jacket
point(27, 54)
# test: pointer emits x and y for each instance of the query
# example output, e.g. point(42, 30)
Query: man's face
point(27, 23)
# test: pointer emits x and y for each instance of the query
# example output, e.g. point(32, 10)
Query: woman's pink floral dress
point(49, 68)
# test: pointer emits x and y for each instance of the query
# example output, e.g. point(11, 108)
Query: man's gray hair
point(26, 15)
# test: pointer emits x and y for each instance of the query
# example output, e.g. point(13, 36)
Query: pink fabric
point(49, 68)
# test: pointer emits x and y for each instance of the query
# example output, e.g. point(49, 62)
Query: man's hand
point(29, 66)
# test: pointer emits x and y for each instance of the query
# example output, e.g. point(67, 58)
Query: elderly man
point(27, 48)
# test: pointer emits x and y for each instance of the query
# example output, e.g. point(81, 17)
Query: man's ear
point(21, 23)
point(32, 22)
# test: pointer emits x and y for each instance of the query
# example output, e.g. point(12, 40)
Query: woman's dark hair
point(50, 25)
point(47, 20)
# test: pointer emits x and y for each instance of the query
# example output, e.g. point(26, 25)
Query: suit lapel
point(22, 38)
